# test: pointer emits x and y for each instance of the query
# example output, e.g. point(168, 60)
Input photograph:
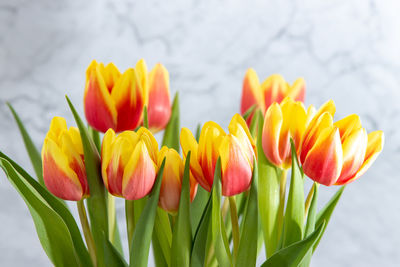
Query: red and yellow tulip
point(159, 108)
point(235, 149)
point(64, 171)
point(114, 100)
point(129, 163)
point(283, 122)
point(340, 152)
point(273, 89)
point(171, 185)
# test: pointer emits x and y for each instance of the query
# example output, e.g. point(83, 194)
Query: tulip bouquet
point(219, 204)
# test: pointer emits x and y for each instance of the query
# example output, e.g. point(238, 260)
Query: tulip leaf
point(249, 111)
point(112, 256)
point(310, 225)
point(292, 255)
point(326, 213)
point(198, 207)
point(97, 202)
point(198, 256)
point(53, 233)
point(95, 135)
point(247, 252)
point(158, 256)
point(220, 241)
point(294, 215)
point(254, 123)
point(268, 196)
point(145, 118)
point(172, 130)
point(33, 152)
point(198, 131)
point(140, 245)
point(57, 205)
point(182, 233)
point(163, 236)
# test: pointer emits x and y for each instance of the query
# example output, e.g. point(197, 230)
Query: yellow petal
point(271, 134)
point(348, 125)
point(141, 72)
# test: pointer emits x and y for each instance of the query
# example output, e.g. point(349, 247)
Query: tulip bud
point(128, 163)
point(64, 171)
point(159, 109)
point(113, 100)
point(171, 185)
point(235, 149)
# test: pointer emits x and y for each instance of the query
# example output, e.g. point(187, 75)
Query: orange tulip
point(171, 185)
point(128, 163)
point(114, 100)
point(340, 152)
point(64, 171)
point(273, 89)
point(282, 122)
point(159, 109)
point(235, 149)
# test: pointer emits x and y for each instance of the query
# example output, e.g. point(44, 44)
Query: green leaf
point(326, 213)
point(294, 215)
point(182, 233)
point(163, 235)
point(52, 231)
point(158, 255)
point(97, 202)
point(198, 131)
point(139, 251)
point(198, 207)
point(219, 238)
point(310, 225)
point(172, 131)
point(145, 118)
point(34, 154)
point(268, 196)
point(58, 206)
point(254, 123)
point(95, 135)
point(198, 256)
point(247, 253)
point(292, 255)
point(112, 256)
point(248, 112)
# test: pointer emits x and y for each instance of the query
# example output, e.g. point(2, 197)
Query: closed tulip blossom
point(129, 163)
point(114, 100)
point(338, 153)
point(171, 185)
point(64, 171)
point(159, 108)
point(283, 122)
point(273, 89)
point(235, 149)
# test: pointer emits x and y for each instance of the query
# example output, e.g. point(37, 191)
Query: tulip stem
point(86, 231)
point(235, 225)
point(282, 196)
point(130, 220)
point(111, 217)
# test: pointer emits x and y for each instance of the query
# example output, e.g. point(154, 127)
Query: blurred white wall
point(346, 50)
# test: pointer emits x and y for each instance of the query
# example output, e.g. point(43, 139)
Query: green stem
point(111, 217)
point(130, 220)
point(86, 231)
point(235, 225)
point(282, 196)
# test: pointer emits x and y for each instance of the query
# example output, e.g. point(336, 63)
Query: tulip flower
point(159, 109)
point(114, 100)
point(171, 185)
point(273, 89)
point(338, 153)
point(129, 163)
point(64, 171)
point(235, 149)
point(283, 122)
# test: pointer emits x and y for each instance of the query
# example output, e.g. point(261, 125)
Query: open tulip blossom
point(218, 203)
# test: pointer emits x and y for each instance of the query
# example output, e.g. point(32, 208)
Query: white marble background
point(346, 50)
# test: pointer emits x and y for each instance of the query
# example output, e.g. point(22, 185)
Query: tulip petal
point(188, 143)
point(141, 71)
point(374, 148)
point(348, 125)
point(139, 175)
point(354, 147)
point(238, 128)
point(235, 166)
point(251, 93)
point(110, 75)
point(297, 90)
point(151, 143)
point(274, 89)
point(159, 109)
point(324, 161)
point(271, 134)
point(100, 110)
